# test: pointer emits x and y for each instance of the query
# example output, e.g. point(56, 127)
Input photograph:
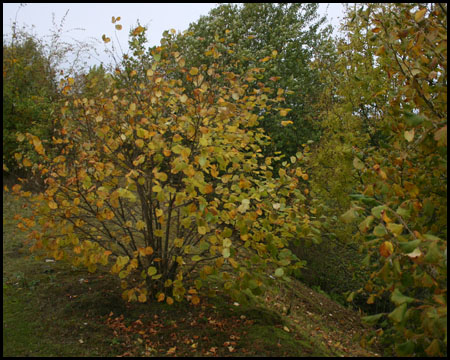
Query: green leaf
point(122, 261)
point(372, 319)
point(399, 313)
point(226, 242)
point(151, 271)
point(196, 258)
point(409, 246)
point(405, 349)
point(279, 272)
point(365, 225)
point(125, 193)
point(349, 216)
point(379, 230)
point(358, 164)
point(244, 206)
point(396, 229)
point(403, 212)
point(376, 211)
point(433, 349)
point(398, 298)
point(433, 255)
point(412, 119)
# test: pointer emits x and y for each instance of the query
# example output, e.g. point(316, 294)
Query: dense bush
point(387, 120)
point(163, 182)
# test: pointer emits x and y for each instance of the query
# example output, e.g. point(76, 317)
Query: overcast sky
point(95, 19)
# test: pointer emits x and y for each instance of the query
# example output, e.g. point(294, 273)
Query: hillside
point(51, 310)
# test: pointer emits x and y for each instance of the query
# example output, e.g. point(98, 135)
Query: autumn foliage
point(159, 177)
point(163, 184)
point(388, 121)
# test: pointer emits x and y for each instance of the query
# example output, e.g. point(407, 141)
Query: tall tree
point(32, 67)
point(278, 37)
point(29, 92)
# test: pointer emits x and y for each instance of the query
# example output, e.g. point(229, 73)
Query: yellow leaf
point(138, 30)
point(420, 14)
point(142, 298)
point(381, 50)
point(139, 143)
point(38, 146)
point(161, 176)
point(52, 204)
point(285, 123)
point(172, 349)
point(16, 188)
point(385, 218)
point(208, 189)
point(119, 27)
point(193, 71)
point(140, 225)
point(233, 263)
point(441, 136)
point(386, 249)
point(284, 112)
point(148, 250)
point(169, 300)
point(195, 299)
point(161, 297)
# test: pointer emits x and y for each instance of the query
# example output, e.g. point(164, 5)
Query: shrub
point(159, 180)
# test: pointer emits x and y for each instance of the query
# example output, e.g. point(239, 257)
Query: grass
point(54, 309)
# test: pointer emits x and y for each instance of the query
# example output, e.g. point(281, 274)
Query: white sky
point(95, 18)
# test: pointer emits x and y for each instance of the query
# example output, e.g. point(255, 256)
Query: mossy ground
point(53, 309)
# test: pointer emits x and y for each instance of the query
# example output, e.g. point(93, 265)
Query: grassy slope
point(52, 309)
